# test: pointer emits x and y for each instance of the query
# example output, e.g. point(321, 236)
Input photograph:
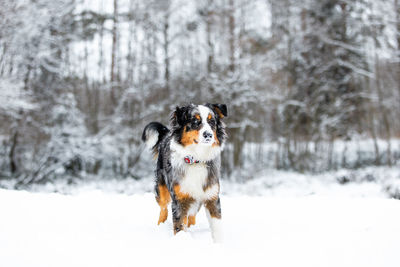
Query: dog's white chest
point(194, 180)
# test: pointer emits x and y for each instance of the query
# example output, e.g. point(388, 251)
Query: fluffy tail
point(152, 135)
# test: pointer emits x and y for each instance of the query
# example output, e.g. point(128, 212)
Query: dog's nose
point(207, 135)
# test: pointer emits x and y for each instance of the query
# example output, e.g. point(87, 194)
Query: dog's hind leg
point(163, 198)
point(191, 220)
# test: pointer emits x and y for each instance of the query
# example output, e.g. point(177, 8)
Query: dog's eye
point(196, 122)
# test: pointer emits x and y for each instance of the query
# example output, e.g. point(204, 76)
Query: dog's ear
point(178, 116)
point(220, 109)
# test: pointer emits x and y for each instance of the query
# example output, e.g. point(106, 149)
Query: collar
point(190, 160)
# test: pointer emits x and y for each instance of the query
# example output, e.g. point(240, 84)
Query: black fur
point(157, 127)
point(221, 107)
point(171, 173)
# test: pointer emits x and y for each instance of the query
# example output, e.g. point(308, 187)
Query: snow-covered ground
point(97, 228)
point(378, 182)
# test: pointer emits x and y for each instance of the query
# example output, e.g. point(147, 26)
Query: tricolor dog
point(188, 164)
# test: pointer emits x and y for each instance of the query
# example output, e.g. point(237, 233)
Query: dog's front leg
point(213, 211)
point(177, 216)
point(180, 207)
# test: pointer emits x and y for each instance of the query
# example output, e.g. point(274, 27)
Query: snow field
point(107, 229)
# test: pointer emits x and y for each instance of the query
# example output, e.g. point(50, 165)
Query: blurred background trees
point(305, 82)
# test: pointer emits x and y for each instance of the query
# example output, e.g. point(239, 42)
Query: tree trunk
point(11, 155)
point(130, 56)
point(102, 75)
point(113, 74)
point(330, 152)
point(397, 8)
point(231, 13)
point(371, 111)
point(383, 112)
point(210, 46)
point(27, 76)
point(166, 51)
point(238, 144)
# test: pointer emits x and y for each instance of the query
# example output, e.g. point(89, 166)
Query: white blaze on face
point(204, 112)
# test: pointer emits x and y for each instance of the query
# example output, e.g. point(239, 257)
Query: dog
point(188, 164)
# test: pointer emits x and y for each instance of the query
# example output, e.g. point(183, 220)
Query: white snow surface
point(97, 228)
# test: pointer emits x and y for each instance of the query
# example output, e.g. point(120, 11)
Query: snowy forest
point(311, 86)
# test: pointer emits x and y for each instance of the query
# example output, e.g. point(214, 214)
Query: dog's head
point(199, 124)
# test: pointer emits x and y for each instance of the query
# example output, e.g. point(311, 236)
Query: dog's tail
point(152, 135)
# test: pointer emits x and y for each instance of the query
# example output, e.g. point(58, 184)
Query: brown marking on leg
point(181, 222)
point(191, 220)
point(179, 194)
point(163, 200)
point(184, 201)
point(207, 186)
point(163, 215)
point(189, 137)
point(213, 208)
